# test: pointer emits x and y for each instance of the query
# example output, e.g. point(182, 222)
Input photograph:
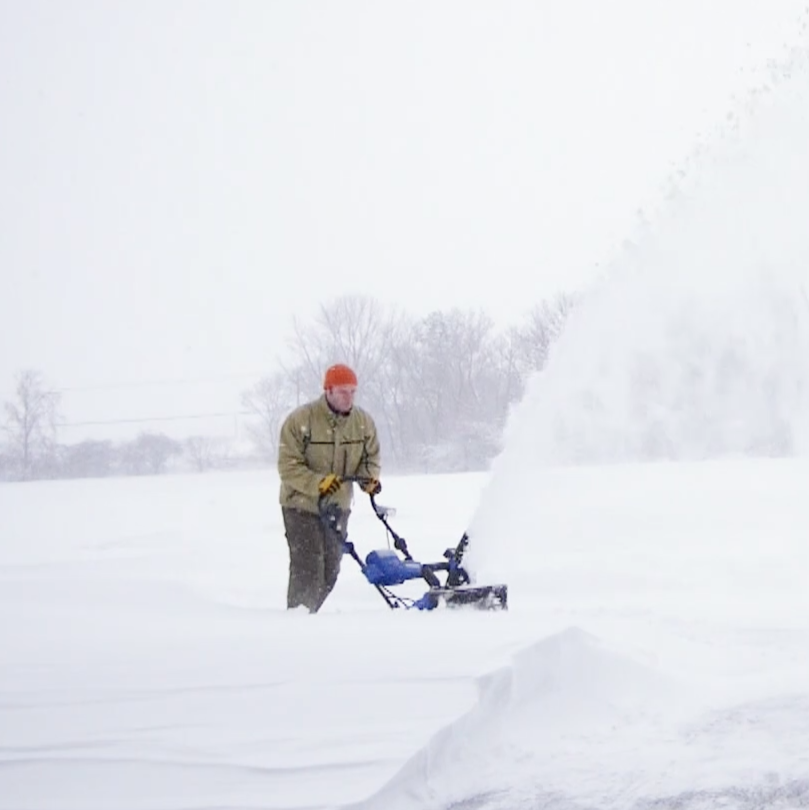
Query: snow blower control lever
point(384, 568)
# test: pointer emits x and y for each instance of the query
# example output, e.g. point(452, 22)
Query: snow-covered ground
point(656, 653)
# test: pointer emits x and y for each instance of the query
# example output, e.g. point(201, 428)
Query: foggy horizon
point(182, 181)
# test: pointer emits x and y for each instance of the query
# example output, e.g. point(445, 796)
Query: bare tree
point(149, 454)
point(545, 323)
point(6, 467)
point(88, 459)
point(508, 350)
point(451, 358)
point(372, 339)
point(353, 329)
point(30, 425)
point(206, 452)
point(439, 387)
point(268, 402)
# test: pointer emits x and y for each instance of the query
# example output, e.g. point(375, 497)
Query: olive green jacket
point(316, 441)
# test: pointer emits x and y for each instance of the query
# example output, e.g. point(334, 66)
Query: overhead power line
point(154, 383)
point(130, 421)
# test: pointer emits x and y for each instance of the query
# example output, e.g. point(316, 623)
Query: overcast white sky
point(178, 179)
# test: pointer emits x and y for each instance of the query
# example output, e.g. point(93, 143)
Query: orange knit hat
point(339, 375)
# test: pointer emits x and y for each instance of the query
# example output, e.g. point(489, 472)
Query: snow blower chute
point(385, 568)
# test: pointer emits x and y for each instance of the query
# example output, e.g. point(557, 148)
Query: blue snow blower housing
point(384, 568)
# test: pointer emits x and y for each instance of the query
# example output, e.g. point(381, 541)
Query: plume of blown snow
point(695, 344)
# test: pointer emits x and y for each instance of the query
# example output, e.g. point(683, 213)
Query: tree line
point(439, 387)
point(29, 446)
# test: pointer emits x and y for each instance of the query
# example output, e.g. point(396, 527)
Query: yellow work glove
point(330, 484)
point(371, 486)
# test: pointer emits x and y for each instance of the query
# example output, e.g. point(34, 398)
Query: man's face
point(341, 397)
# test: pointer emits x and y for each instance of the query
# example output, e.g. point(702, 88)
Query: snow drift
point(575, 724)
point(527, 723)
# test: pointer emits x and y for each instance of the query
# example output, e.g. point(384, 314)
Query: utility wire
point(229, 414)
point(148, 383)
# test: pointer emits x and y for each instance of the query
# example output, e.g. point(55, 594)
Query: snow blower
point(385, 568)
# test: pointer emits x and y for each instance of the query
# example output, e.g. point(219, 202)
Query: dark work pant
point(314, 558)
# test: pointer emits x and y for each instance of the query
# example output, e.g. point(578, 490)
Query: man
point(322, 443)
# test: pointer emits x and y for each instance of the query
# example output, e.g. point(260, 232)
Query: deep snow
point(656, 646)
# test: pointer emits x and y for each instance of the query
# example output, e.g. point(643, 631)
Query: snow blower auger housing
point(387, 567)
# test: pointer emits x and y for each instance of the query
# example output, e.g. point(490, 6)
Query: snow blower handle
point(370, 486)
point(382, 513)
